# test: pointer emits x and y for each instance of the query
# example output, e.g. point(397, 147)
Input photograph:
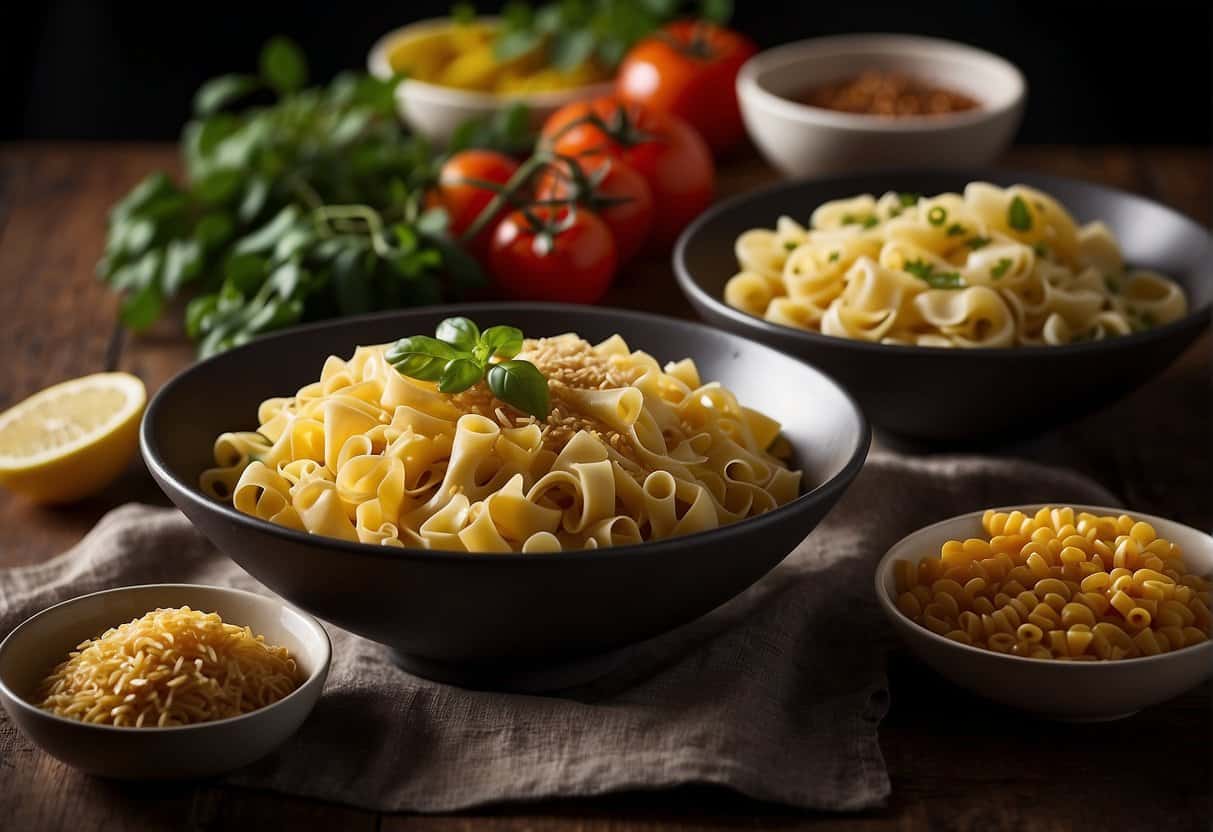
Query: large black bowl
point(964, 394)
point(466, 615)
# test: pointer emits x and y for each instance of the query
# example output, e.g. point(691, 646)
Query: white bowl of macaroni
point(1072, 612)
point(804, 140)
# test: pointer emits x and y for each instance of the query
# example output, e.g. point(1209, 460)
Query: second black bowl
point(964, 394)
point(483, 616)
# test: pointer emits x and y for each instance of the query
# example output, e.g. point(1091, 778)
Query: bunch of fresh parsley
point(571, 32)
point(305, 205)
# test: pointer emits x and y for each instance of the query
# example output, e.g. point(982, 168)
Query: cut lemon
point(72, 439)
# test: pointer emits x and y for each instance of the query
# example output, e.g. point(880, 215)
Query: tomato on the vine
point(611, 189)
point(662, 148)
point(463, 199)
point(552, 254)
point(689, 68)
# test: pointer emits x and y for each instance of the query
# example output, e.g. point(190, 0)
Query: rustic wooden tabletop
point(955, 761)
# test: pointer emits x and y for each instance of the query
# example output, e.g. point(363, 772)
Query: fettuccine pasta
point(993, 267)
point(630, 452)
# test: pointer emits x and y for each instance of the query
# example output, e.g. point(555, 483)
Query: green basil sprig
point(460, 356)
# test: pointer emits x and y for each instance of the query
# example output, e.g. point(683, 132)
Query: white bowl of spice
point(865, 102)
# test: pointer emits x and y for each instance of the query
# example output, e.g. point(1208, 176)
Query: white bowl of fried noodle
point(1072, 657)
point(180, 707)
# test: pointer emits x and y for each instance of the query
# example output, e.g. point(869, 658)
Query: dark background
point(1099, 73)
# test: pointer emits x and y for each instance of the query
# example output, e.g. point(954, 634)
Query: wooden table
point(955, 761)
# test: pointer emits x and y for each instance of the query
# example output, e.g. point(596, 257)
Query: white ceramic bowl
point(1075, 691)
point(435, 112)
point(803, 141)
point(35, 647)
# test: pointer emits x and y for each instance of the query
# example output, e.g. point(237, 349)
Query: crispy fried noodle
point(170, 667)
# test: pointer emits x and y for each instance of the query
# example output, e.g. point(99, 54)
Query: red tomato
point(464, 201)
point(576, 267)
point(662, 148)
point(689, 69)
point(603, 179)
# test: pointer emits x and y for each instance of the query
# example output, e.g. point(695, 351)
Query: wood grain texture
point(956, 762)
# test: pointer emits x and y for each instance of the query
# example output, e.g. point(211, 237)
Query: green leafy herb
point(937, 215)
point(304, 208)
point(909, 199)
point(1018, 215)
point(283, 66)
point(507, 130)
point(956, 229)
point(867, 220)
point(570, 32)
point(925, 272)
point(1041, 249)
point(790, 245)
point(833, 256)
point(977, 242)
point(461, 356)
point(1000, 268)
point(1112, 282)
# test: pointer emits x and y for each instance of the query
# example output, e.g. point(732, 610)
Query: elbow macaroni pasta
point(1059, 585)
point(993, 267)
point(630, 452)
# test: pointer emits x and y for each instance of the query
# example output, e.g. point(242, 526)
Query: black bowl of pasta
point(957, 306)
point(479, 540)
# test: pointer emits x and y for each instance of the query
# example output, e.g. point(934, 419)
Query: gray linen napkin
point(776, 694)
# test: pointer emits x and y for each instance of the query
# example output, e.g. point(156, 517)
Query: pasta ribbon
point(992, 267)
point(632, 451)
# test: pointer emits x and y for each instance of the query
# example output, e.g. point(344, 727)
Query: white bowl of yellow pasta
point(450, 77)
point(960, 305)
point(803, 140)
point(1072, 612)
point(212, 727)
point(668, 474)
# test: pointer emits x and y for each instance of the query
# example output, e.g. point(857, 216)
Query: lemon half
point(72, 439)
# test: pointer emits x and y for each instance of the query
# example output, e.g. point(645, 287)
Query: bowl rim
point(320, 672)
point(830, 488)
point(762, 327)
point(885, 564)
point(378, 66)
point(890, 43)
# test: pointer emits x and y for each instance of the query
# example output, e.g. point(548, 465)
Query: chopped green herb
point(1112, 282)
point(833, 257)
point(790, 245)
point(1018, 215)
point(925, 272)
point(1000, 268)
point(977, 242)
point(937, 215)
point(908, 199)
point(955, 229)
point(1041, 250)
point(866, 221)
